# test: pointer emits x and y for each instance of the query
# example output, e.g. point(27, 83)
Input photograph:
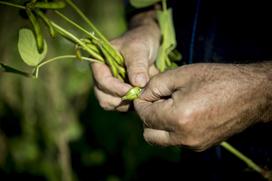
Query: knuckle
point(103, 83)
point(154, 81)
point(106, 105)
point(138, 66)
point(156, 92)
point(138, 43)
point(148, 138)
point(187, 118)
point(136, 46)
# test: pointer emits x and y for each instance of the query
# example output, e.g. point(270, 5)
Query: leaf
point(27, 47)
point(9, 69)
point(167, 52)
point(167, 28)
point(142, 3)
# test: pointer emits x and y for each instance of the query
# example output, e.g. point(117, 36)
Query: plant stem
point(37, 68)
point(242, 157)
point(12, 5)
point(66, 57)
point(84, 17)
point(78, 41)
point(115, 54)
point(75, 24)
point(164, 6)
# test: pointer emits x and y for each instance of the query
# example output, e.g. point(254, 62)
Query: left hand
point(200, 105)
point(139, 48)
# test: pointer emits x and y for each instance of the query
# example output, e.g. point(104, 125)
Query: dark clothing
point(227, 31)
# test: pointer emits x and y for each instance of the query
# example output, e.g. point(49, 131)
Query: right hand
point(139, 48)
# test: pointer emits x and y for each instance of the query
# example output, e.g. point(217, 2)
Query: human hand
point(139, 48)
point(200, 105)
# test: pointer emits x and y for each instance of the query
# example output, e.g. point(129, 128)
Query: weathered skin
point(196, 105)
point(200, 105)
point(139, 47)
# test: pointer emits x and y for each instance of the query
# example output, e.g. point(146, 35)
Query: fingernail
point(140, 80)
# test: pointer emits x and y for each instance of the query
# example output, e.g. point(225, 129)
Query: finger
point(163, 85)
point(137, 63)
point(157, 137)
point(117, 43)
point(107, 101)
point(123, 107)
point(156, 115)
point(153, 71)
point(106, 82)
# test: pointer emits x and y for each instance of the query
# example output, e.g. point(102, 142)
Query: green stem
point(75, 24)
point(12, 5)
point(78, 41)
point(8, 69)
point(36, 70)
point(164, 6)
point(66, 57)
point(117, 56)
point(242, 157)
point(86, 19)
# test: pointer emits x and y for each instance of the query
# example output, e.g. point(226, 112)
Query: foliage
point(28, 48)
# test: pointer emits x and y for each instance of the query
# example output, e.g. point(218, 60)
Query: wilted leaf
point(28, 48)
point(142, 3)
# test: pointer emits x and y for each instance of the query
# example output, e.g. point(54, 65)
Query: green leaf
point(9, 69)
point(142, 3)
point(167, 52)
point(27, 47)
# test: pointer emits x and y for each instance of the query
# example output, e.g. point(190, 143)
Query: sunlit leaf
point(28, 48)
point(142, 3)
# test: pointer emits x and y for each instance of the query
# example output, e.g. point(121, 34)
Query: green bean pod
point(50, 5)
point(47, 22)
point(110, 62)
point(132, 94)
point(37, 29)
point(121, 71)
point(93, 47)
point(108, 59)
point(114, 53)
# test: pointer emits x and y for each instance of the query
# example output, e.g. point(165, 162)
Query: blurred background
point(52, 128)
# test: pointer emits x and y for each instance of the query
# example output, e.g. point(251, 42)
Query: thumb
point(137, 63)
point(160, 86)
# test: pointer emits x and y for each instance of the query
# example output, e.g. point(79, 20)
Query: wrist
point(264, 72)
point(143, 18)
point(144, 30)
